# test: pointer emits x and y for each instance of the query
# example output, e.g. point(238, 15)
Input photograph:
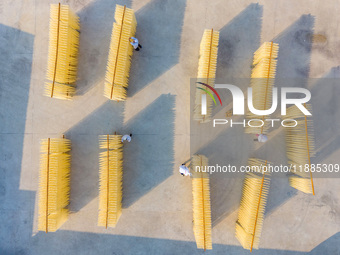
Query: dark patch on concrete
point(16, 52)
point(331, 202)
point(319, 39)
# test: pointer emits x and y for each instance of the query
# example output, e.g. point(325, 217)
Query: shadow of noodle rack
point(252, 206)
point(262, 82)
point(201, 203)
point(300, 149)
point(206, 73)
point(119, 60)
point(62, 53)
point(54, 183)
point(110, 175)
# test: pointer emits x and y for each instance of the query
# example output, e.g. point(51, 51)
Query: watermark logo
point(238, 99)
point(204, 97)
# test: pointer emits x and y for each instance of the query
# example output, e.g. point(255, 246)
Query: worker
point(126, 138)
point(184, 170)
point(262, 138)
point(134, 42)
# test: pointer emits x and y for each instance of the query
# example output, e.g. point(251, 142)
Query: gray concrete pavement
point(157, 203)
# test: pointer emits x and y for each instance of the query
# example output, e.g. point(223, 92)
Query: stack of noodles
point(253, 203)
point(110, 175)
point(300, 149)
point(262, 82)
point(119, 60)
point(63, 52)
point(54, 183)
point(201, 204)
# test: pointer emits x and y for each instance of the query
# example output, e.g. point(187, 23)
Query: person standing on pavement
point(184, 171)
point(262, 138)
point(126, 138)
point(134, 42)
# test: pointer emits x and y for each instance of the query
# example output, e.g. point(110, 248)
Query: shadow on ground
point(325, 105)
point(148, 159)
point(239, 39)
point(85, 151)
point(226, 188)
point(159, 30)
point(96, 21)
point(235, 51)
point(16, 206)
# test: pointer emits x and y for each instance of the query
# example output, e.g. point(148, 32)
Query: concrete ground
point(157, 214)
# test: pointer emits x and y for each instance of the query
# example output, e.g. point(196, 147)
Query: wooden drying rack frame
point(57, 51)
point(120, 36)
